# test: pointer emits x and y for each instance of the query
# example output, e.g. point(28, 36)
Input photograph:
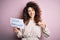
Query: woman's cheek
point(33, 13)
point(30, 14)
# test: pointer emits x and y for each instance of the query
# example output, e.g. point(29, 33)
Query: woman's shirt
point(32, 31)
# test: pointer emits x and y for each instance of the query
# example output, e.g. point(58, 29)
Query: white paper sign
point(17, 22)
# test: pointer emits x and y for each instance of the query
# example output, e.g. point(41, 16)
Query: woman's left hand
point(43, 25)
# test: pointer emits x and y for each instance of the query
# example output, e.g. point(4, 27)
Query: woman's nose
point(31, 13)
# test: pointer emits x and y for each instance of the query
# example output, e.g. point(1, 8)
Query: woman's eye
point(32, 10)
point(29, 10)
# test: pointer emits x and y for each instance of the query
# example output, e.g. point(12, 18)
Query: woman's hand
point(15, 30)
point(43, 25)
point(18, 32)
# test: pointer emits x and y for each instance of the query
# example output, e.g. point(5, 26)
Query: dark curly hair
point(37, 16)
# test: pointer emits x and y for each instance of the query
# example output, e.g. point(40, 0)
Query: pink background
point(13, 8)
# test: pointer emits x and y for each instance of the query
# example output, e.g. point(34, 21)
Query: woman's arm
point(45, 30)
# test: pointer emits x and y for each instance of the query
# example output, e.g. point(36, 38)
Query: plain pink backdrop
point(13, 8)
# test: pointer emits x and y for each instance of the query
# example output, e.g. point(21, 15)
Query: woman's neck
point(32, 19)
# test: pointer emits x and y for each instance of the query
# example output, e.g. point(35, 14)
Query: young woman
point(33, 24)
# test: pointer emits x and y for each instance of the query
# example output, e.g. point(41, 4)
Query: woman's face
point(31, 12)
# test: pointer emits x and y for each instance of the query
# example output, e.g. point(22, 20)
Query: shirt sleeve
point(19, 34)
point(46, 32)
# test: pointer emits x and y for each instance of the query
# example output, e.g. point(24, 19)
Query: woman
point(34, 26)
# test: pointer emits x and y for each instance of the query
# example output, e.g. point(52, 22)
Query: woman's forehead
point(30, 8)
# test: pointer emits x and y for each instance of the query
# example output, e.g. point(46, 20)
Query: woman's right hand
point(15, 30)
point(18, 32)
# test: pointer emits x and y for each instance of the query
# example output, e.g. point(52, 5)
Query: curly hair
point(37, 16)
